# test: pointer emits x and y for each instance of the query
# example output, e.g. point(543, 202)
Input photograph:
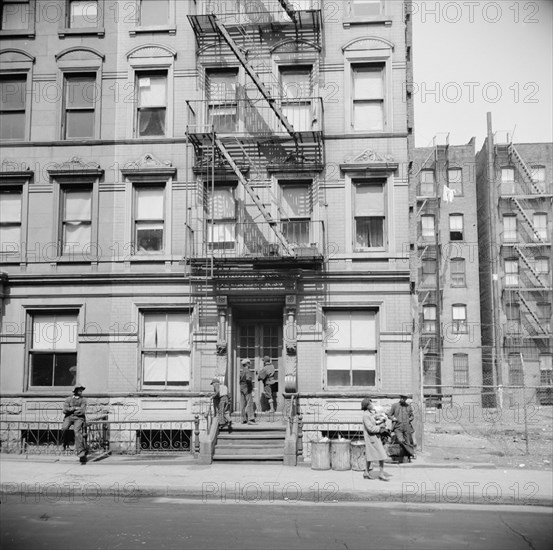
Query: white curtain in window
point(363, 330)
point(224, 205)
point(363, 361)
point(78, 205)
point(338, 360)
point(149, 203)
point(369, 199)
point(10, 207)
point(459, 313)
point(152, 91)
point(154, 367)
point(178, 368)
point(367, 83)
point(219, 232)
point(155, 331)
point(54, 332)
point(76, 237)
point(178, 330)
point(455, 222)
point(296, 201)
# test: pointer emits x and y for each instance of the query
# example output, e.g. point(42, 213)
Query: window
point(456, 227)
point(82, 14)
point(509, 228)
point(458, 274)
point(368, 97)
point(154, 13)
point(222, 102)
point(429, 268)
point(165, 349)
point(152, 104)
point(544, 315)
point(366, 8)
point(511, 272)
point(546, 370)
point(222, 218)
point(455, 180)
point(431, 366)
point(296, 86)
point(541, 266)
point(79, 105)
point(515, 369)
point(12, 106)
point(429, 319)
point(460, 369)
point(538, 177)
point(149, 218)
point(540, 227)
point(427, 183)
point(512, 312)
point(10, 222)
point(350, 348)
point(459, 317)
point(427, 227)
point(296, 212)
point(76, 220)
point(369, 208)
point(15, 15)
point(508, 181)
point(53, 349)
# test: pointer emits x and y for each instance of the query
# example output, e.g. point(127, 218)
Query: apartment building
point(447, 270)
point(515, 213)
point(185, 184)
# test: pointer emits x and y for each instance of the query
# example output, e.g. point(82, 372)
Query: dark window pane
point(12, 125)
point(151, 122)
point(338, 377)
point(363, 377)
point(79, 124)
point(149, 239)
point(65, 373)
point(154, 12)
point(42, 369)
point(12, 93)
point(455, 235)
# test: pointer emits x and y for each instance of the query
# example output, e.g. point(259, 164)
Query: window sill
point(170, 29)
point(378, 20)
point(99, 31)
point(24, 33)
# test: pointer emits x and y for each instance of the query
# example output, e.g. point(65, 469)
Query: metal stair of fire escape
point(531, 312)
point(262, 442)
point(529, 265)
point(527, 219)
point(523, 168)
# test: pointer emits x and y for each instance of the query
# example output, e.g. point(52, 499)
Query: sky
point(471, 57)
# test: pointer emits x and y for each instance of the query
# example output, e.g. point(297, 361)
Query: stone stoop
point(251, 443)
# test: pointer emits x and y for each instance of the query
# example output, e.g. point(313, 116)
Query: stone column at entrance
point(291, 344)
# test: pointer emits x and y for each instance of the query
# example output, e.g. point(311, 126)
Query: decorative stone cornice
point(149, 164)
point(11, 170)
point(368, 43)
point(369, 160)
point(75, 167)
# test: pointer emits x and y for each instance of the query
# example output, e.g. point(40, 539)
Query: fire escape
point(252, 133)
point(430, 178)
point(526, 249)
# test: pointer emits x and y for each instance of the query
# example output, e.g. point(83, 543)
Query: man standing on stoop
point(267, 375)
point(246, 392)
point(74, 410)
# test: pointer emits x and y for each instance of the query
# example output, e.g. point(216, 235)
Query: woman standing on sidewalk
point(374, 449)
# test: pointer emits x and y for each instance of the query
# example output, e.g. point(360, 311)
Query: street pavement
point(41, 478)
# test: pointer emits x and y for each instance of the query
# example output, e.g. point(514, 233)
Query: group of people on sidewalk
point(379, 428)
point(221, 398)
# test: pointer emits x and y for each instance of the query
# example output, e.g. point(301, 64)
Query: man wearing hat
point(246, 392)
point(267, 375)
point(74, 410)
point(402, 415)
point(221, 403)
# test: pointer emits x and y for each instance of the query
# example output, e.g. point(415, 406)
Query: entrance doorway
point(256, 338)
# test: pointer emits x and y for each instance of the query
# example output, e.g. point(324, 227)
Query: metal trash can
point(320, 455)
point(358, 456)
point(340, 454)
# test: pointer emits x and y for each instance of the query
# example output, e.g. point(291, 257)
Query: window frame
point(374, 352)
point(516, 375)
point(540, 229)
point(508, 186)
point(460, 370)
point(230, 103)
point(429, 319)
point(509, 231)
point(65, 110)
point(30, 30)
point(351, 18)
point(459, 325)
point(64, 190)
point(298, 220)
point(170, 27)
point(17, 76)
point(30, 351)
point(136, 222)
point(136, 126)
point(424, 231)
point(423, 182)
point(214, 222)
point(456, 235)
point(512, 275)
point(143, 350)
point(65, 23)
point(376, 215)
point(513, 316)
point(459, 276)
point(4, 255)
point(456, 186)
point(546, 360)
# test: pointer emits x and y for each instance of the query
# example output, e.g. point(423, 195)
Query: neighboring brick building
point(143, 254)
point(515, 214)
point(447, 268)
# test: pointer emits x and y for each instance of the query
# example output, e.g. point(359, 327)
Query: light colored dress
point(373, 446)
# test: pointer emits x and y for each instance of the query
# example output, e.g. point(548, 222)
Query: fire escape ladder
point(531, 311)
point(255, 197)
point(523, 168)
point(289, 9)
point(527, 219)
point(529, 265)
point(254, 76)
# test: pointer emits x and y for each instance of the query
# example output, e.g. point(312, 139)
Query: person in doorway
point(74, 411)
point(374, 449)
point(246, 392)
point(402, 416)
point(221, 403)
point(267, 376)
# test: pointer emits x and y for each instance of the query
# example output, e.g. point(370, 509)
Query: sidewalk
point(130, 478)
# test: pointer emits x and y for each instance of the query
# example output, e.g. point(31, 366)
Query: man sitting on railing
point(74, 410)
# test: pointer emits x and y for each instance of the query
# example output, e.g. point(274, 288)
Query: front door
point(255, 339)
